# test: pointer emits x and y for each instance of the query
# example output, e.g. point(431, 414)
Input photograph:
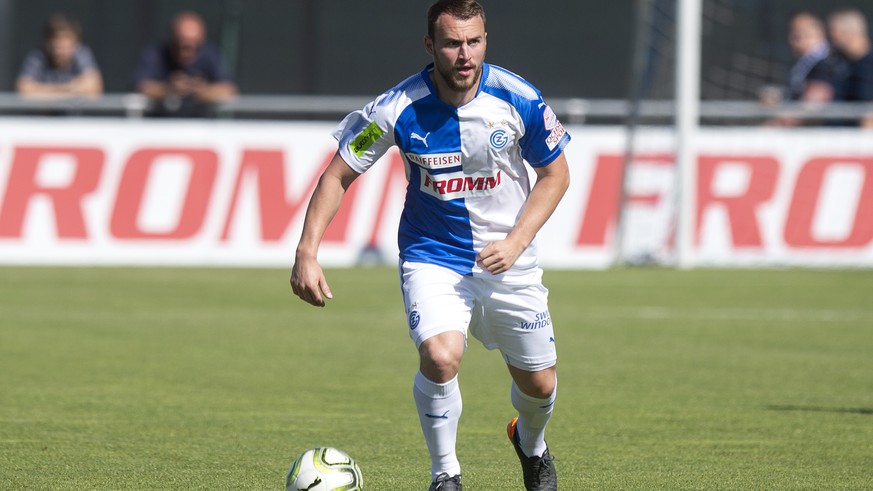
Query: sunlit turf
point(165, 378)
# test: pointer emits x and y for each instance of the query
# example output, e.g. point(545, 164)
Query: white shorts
point(510, 317)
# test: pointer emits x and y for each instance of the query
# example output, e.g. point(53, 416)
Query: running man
point(468, 253)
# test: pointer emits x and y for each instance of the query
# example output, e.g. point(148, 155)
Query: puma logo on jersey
point(423, 139)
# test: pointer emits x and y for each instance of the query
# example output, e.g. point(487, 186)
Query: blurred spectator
point(185, 76)
point(63, 66)
point(848, 32)
point(814, 75)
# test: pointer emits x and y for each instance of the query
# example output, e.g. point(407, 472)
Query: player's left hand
point(498, 256)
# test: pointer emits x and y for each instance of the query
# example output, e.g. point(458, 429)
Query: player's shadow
point(822, 409)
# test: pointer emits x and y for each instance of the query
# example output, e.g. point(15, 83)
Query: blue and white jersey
point(465, 165)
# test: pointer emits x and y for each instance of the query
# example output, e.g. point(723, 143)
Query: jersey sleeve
point(364, 136)
point(544, 137)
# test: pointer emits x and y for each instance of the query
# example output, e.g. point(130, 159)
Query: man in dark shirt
point(848, 31)
point(812, 77)
point(185, 76)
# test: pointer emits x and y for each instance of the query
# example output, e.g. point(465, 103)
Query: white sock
point(439, 409)
point(533, 414)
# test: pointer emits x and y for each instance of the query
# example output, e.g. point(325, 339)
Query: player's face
point(458, 50)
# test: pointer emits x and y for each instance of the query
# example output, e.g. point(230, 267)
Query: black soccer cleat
point(539, 472)
point(444, 482)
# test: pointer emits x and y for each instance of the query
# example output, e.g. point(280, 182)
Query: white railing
point(571, 110)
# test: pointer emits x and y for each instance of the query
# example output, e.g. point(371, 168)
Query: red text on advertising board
point(269, 171)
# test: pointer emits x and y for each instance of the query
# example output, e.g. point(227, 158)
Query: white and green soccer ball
point(324, 469)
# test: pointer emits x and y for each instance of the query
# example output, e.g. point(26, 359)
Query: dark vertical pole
point(7, 33)
point(230, 34)
point(145, 10)
point(636, 92)
point(311, 58)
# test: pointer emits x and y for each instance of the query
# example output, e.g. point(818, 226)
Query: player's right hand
point(308, 282)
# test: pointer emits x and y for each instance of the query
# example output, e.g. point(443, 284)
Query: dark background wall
point(567, 48)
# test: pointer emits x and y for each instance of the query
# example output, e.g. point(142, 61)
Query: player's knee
point(439, 365)
point(544, 389)
point(540, 390)
point(440, 362)
point(540, 384)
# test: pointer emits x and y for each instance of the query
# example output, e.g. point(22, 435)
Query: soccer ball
point(324, 469)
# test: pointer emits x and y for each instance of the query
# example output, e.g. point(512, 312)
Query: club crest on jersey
point(455, 185)
point(499, 139)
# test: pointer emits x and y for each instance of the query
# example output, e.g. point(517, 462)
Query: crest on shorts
point(414, 319)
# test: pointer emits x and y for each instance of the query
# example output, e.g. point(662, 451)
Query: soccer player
point(468, 254)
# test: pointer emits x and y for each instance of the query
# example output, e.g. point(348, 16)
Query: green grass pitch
point(184, 378)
